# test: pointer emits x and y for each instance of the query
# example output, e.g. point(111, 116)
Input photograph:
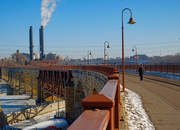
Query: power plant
point(41, 42)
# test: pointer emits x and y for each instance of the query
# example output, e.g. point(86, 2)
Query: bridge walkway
point(160, 98)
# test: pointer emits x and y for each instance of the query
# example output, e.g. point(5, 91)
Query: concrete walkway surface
point(163, 114)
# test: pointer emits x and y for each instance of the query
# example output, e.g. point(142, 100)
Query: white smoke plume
point(47, 7)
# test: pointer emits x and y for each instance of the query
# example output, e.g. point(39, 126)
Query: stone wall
point(84, 84)
point(23, 80)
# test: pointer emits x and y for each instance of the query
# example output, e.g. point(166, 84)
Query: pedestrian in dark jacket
point(141, 72)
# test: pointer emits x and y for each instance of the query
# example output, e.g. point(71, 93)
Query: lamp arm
point(122, 14)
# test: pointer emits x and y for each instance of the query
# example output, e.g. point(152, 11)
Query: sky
point(77, 26)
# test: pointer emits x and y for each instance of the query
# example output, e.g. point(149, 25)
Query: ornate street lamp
point(136, 55)
point(131, 21)
point(105, 51)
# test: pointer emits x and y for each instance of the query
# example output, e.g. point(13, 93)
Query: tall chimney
point(41, 37)
point(40, 44)
point(31, 42)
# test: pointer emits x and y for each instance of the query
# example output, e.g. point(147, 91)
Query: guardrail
point(101, 111)
point(155, 68)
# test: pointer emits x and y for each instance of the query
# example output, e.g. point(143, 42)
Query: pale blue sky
point(77, 26)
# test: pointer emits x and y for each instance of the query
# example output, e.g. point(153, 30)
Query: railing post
point(173, 69)
point(100, 101)
point(117, 99)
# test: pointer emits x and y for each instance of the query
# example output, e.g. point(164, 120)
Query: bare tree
point(19, 58)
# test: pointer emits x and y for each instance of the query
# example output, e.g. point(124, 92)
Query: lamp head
point(133, 49)
point(108, 46)
point(90, 53)
point(131, 21)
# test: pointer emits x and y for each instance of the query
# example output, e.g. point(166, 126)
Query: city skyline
point(78, 26)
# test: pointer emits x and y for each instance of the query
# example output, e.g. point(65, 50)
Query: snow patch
point(44, 125)
point(3, 81)
point(14, 103)
point(137, 118)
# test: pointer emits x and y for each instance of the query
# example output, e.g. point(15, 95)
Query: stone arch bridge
point(72, 83)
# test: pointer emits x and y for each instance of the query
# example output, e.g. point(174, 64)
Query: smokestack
point(31, 42)
point(41, 37)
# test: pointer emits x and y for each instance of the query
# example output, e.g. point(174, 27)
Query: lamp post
point(136, 55)
point(88, 53)
point(67, 60)
point(107, 57)
point(105, 51)
point(131, 21)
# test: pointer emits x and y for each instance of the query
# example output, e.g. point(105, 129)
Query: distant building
point(118, 58)
point(59, 58)
point(26, 55)
point(36, 56)
point(140, 57)
point(50, 56)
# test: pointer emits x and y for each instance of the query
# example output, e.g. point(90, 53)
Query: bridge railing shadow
point(101, 111)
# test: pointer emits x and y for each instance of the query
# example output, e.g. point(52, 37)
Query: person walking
point(141, 72)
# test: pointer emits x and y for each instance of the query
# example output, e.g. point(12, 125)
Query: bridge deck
point(160, 99)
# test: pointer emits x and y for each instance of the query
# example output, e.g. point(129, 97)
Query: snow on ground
point(53, 122)
point(137, 118)
point(3, 81)
point(14, 103)
point(38, 121)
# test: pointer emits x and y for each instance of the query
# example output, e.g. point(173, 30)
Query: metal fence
point(155, 68)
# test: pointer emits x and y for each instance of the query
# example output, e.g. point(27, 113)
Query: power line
point(91, 45)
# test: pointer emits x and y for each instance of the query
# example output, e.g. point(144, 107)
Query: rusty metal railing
point(105, 70)
point(155, 68)
point(101, 111)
